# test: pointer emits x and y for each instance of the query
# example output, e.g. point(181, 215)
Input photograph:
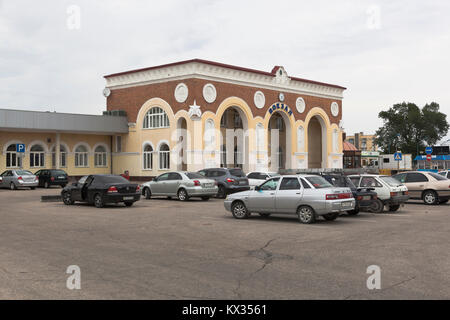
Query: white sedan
point(257, 178)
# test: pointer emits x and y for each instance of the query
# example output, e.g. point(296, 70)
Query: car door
point(263, 199)
point(415, 181)
point(288, 196)
point(85, 188)
point(7, 178)
point(173, 183)
point(159, 185)
point(3, 179)
point(76, 189)
point(38, 175)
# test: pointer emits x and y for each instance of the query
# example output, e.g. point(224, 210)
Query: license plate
point(366, 198)
point(243, 182)
point(128, 198)
point(61, 177)
point(347, 204)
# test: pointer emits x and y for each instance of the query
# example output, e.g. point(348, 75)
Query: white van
point(390, 192)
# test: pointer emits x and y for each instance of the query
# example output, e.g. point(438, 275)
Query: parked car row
point(18, 178)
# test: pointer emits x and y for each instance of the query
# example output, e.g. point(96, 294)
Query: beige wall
point(48, 140)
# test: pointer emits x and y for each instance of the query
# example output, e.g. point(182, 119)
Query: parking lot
point(167, 249)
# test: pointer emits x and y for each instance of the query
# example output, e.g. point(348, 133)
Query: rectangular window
point(62, 159)
point(118, 143)
point(13, 160)
point(37, 159)
point(100, 159)
point(148, 160)
point(164, 158)
point(81, 159)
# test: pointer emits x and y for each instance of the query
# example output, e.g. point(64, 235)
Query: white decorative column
point(57, 150)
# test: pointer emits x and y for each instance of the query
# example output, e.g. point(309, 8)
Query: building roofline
point(223, 65)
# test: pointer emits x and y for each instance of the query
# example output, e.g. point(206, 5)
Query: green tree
point(409, 129)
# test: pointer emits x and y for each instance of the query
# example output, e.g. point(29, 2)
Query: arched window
point(156, 118)
point(164, 157)
point(100, 156)
point(37, 156)
point(81, 156)
point(148, 157)
point(13, 158)
point(62, 156)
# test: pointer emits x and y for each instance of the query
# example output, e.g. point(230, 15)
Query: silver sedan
point(18, 178)
point(308, 196)
point(181, 184)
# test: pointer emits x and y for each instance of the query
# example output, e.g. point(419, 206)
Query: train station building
point(187, 115)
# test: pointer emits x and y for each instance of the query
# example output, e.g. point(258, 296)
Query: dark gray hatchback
point(228, 180)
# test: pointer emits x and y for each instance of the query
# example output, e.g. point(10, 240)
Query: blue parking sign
point(429, 150)
point(20, 147)
point(398, 156)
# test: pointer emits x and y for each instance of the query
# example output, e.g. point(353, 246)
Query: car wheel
point(377, 206)
point(147, 193)
point(239, 210)
point(129, 204)
point(63, 185)
point(205, 198)
point(353, 212)
point(394, 208)
point(98, 201)
point(306, 215)
point(430, 197)
point(264, 215)
point(331, 216)
point(221, 193)
point(182, 195)
point(12, 186)
point(46, 185)
point(67, 199)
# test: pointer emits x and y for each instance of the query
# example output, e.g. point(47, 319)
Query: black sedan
point(100, 190)
point(365, 197)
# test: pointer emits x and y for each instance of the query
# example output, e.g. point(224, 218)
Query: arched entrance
point(234, 145)
point(279, 147)
point(317, 143)
point(182, 144)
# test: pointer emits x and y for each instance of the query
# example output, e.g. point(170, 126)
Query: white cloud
point(46, 66)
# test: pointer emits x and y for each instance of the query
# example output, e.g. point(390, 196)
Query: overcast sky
point(384, 52)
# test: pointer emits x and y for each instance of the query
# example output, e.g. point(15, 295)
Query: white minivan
point(390, 192)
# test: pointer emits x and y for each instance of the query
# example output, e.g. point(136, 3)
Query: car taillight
point(20, 178)
point(112, 189)
point(393, 194)
point(336, 196)
point(52, 178)
point(138, 189)
point(359, 198)
point(405, 193)
point(230, 180)
point(196, 183)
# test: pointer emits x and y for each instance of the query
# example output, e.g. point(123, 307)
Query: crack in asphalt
point(266, 256)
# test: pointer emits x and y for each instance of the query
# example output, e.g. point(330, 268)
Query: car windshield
point(112, 179)
point(391, 181)
point(194, 175)
point(319, 182)
point(237, 173)
point(82, 180)
point(437, 176)
point(58, 173)
point(23, 173)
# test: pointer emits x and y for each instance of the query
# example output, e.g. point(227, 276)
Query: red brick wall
point(131, 99)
